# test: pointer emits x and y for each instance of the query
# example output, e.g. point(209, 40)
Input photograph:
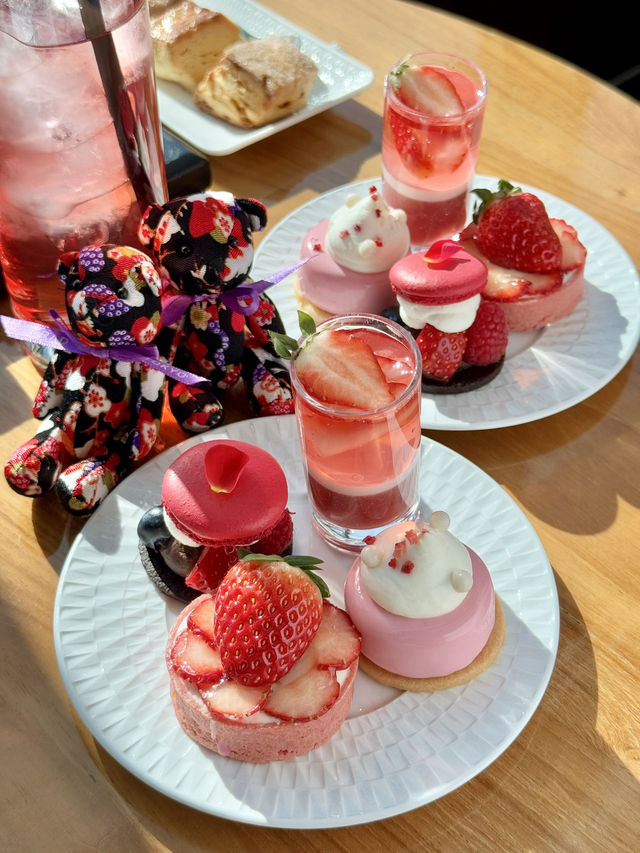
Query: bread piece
point(157, 7)
point(257, 81)
point(188, 41)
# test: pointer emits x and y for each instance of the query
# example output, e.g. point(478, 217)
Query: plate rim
point(435, 408)
point(285, 423)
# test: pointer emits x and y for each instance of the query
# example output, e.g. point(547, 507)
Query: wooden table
point(570, 781)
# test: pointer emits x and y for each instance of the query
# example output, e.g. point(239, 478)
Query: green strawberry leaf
point(296, 560)
point(487, 197)
point(287, 347)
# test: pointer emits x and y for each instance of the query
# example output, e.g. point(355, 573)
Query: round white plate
point(396, 751)
point(545, 371)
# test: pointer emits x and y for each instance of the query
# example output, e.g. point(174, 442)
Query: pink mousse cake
point(352, 253)
point(241, 713)
point(425, 606)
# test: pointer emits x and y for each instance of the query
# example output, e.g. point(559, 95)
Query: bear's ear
point(256, 210)
point(150, 219)
point(66, 262)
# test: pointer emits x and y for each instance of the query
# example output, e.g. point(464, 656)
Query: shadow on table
point(526, 772)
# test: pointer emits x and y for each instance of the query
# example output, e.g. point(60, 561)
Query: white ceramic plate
point(396, 751)
point(340, 77)
point(545, 371)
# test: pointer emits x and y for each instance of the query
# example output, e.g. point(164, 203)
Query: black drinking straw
point(126, 124)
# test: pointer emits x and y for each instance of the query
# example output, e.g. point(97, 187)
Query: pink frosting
point(424, 648)
point(336, 289)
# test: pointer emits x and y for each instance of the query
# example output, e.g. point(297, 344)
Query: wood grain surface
point(570, 780)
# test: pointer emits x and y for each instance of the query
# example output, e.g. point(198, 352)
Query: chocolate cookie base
point(467, 379)
point(166, 580)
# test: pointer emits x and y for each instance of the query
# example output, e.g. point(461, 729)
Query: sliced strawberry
point(543, 282)
point(409, 146)
point(441, 352)
point(229, 699)
point(504, 285)
point(305, 698)
point(426, 89)
point(337, 642)
point(279, 540)
point(339, 368)
point(574, 253)
point(195, 659)
point(487, 337)
point(201, 620)
point(211, 567)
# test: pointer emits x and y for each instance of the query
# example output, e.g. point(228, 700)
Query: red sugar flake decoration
point(393, 562)
point(373, 191)
point(344, 234)
point(378, 242)
point(407, 567)
point(411, 537)
point(317, 247)
point(357, 228)
point(369, 540)
point(378, 212)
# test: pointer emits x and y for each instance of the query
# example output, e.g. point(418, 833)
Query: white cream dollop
point(453, 317)
point(417, 570)
point(365, 235)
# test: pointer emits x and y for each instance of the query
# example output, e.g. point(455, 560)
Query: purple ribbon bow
point(244, 299)
point(62, 338)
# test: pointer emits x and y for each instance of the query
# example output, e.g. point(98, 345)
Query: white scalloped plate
point(396, 751)
point(545, 371)
point(340, 77)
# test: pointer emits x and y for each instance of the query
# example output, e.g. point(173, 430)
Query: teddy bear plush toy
point(100, 413)
point(216, 323)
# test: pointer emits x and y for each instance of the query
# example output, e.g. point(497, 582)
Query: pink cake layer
point(336, 289)
point(535, 311)
point(254, 742)
point(424, 648)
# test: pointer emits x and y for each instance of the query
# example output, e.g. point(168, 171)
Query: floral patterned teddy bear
point(216, 324)
point(99, 413)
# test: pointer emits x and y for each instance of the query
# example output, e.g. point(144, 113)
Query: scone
point(425, 606)
point(188, 40)
point(265, 670)
point(256, 82)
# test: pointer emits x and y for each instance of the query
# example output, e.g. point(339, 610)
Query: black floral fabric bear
point(217, 325)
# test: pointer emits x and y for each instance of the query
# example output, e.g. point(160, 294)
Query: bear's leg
point(82, 486)
point(34, 468)
point(197, 407)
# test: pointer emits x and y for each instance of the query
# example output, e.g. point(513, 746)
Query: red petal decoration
point(223, 465)
point(441, 252)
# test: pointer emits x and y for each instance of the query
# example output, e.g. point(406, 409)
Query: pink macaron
point(443, 275)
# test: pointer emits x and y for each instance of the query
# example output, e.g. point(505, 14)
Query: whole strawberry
point(441, 352)
point(487, 337)
point(514, 231)
point(267, 611)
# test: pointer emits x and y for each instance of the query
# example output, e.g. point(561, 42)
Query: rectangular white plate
point(340, 77)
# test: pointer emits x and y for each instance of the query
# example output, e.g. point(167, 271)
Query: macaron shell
point(460, 277)
point(239, 517)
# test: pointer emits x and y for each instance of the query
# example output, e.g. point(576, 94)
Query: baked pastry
point(188, 40)
point(257, 81)
point(535, 263)
point(265, 670)
point(425, 606)
point(217, 497)
point(462, 338)
point(352, 251)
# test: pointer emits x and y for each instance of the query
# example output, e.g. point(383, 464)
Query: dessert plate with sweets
point(396, 750)
point(339, 77)
point(546, 369)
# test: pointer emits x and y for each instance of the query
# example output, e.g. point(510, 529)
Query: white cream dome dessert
point(425, 606)
point(353, 251)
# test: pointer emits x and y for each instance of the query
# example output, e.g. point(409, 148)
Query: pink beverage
point(433, 112)
point(63, 181)
point(362, 464)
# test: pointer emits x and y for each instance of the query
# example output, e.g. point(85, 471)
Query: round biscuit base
point(429, 685)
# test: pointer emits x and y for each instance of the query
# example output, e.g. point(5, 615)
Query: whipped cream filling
point(417, 570)
point(178, 534)
point(366, 235)
point(453, 317)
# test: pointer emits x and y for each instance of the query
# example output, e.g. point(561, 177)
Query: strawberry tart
point(352, 251)
point(462, 338)
point(425, 606)
point(216, 497)
point(264, 670)
point(535, 264)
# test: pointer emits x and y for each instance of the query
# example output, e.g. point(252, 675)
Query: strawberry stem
point(487, 197)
